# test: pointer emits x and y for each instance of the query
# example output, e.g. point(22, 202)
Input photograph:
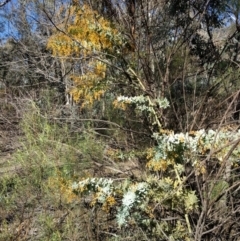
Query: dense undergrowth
point(79, 186)
point(126, 118)
point(32, 197)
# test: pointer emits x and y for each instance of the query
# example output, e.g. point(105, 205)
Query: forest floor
point(9, 136)
point(9, 143)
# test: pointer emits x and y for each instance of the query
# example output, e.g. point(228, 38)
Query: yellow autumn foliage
point(63, 188)
point(84, 35)
point(109, 203)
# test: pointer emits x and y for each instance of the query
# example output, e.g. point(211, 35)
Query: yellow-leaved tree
point(86, 38)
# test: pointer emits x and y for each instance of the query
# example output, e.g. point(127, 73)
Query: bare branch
point(4, 3)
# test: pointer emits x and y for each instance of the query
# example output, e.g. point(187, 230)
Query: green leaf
point(218, 189)
point(191, 201)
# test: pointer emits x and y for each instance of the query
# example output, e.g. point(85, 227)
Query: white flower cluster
point(135, 194)
point(129, 198)
point(103, 186)
point(93, 182)
point(143, 102)
point(135, 99)
point(196, 142)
